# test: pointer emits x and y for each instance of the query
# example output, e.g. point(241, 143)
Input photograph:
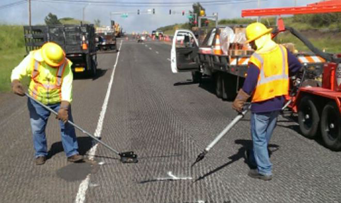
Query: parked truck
point(317, 95)
point(106, 39)
point(78, 42)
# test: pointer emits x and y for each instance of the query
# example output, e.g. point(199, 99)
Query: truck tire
point(229, 87)
point(224, 86)
point(218, 84)
point(308, 117)
point(94, 66)
point(196, 76)
point(331, 126)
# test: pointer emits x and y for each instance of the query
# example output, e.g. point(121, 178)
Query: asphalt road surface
point(136, 103)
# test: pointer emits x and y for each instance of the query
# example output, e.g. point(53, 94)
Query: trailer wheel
point(230, 87)
point(196, 76)
point(218, 84)
point(331, 126)
point(308, 117)
point(224, 85)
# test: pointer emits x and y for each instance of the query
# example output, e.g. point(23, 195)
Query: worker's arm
point(23, 69)
point(67, 84)
point(294, 64)
point(251, 79)
point(63, 112)
point(248, 87)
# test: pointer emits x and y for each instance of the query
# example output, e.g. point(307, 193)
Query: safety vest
point(273, 79)
point(46, 82)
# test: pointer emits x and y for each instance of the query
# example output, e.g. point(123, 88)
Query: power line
point(155, 4)
point(13, 4)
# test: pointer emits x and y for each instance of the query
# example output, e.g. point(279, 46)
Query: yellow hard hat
point(52, 54)
point(255, 31)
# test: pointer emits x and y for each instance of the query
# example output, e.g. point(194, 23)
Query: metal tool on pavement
point(125, 157)
point(201, 156)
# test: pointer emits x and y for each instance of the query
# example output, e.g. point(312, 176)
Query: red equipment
point(318, 104)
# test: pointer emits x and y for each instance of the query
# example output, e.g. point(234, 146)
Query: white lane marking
point(146, 45)
point(173, 177)
point(83, 187)
point(150, 48)
point(157, 52)
point(168, 59)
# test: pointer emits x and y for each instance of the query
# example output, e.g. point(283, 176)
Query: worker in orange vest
point(50, 84)
point(267, 82)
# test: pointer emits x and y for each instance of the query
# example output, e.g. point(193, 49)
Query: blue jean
point(38, 118)
point(262, 127)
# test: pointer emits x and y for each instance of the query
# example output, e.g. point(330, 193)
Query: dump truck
point(106, 39)
point(78, 42)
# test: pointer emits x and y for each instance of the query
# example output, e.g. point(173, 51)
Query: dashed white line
point(150, 48)
point(83, 187)
point(168, 59)
point(157, 52)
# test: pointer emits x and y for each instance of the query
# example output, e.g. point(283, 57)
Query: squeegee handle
point(73, 124)
point(228, 127)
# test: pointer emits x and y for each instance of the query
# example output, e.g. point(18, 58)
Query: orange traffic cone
point(84, 44)
point(217, 48)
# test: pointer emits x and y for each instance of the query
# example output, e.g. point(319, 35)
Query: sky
point(15, 12)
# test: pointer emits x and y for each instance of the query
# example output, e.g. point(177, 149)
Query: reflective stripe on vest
point(274, 85)
point(45, 92)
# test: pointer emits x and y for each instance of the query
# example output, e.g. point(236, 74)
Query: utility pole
point(84, 11)
point(29, 12)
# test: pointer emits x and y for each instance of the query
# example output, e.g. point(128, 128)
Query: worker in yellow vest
point(51, 84)
point(267, 82)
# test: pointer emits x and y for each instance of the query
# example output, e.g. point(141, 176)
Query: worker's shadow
point(84, 145)
point(187, 82)
point(241, 153)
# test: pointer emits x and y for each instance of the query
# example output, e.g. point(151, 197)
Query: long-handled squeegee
point(125, 157)
point(201, 156)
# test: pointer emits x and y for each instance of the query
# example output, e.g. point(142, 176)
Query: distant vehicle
point(181, 36)
point(154, 33)
point(105, 39)
point(141, 39)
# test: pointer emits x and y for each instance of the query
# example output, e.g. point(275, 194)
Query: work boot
point(253, 173)
point(75, 158)
point(40, 160)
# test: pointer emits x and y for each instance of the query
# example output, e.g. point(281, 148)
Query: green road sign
point(124, 15)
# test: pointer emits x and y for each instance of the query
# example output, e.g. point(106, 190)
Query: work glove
point(240, 100)
point(63, 113)
point(17, 88)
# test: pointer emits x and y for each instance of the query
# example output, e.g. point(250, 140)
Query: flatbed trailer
point(226, 69)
